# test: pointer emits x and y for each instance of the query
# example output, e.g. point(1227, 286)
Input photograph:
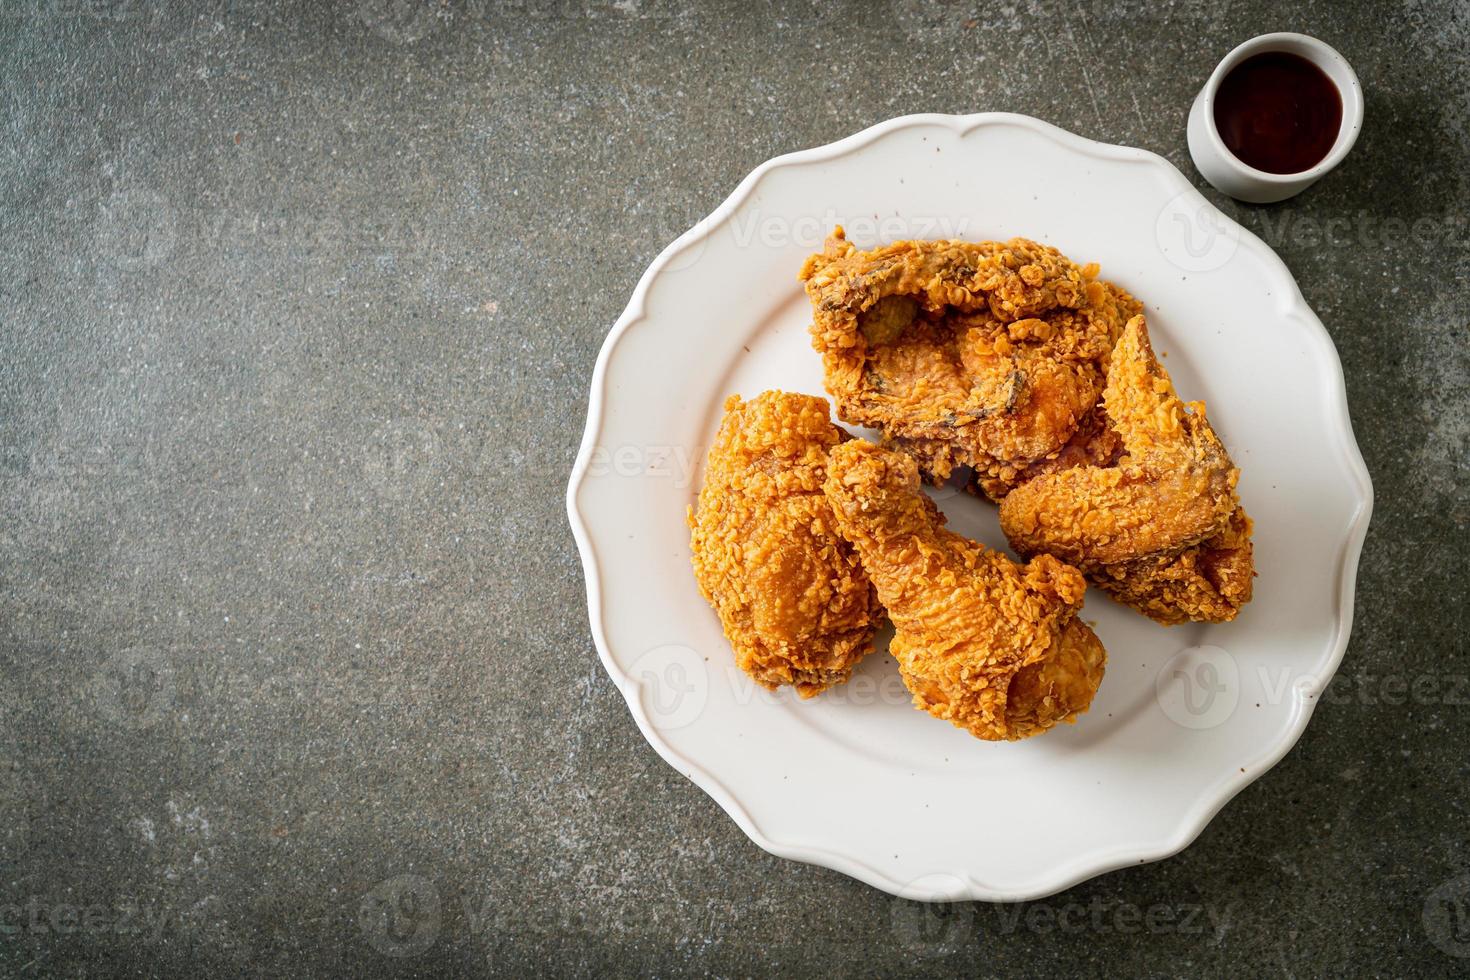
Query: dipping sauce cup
point(1231, 175)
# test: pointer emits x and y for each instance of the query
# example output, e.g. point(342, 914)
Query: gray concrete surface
point(300, 303)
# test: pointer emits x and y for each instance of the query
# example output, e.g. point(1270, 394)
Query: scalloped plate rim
point(1088, 864)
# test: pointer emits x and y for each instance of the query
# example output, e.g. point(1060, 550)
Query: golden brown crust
point(1209, 582)
point(1095, 443)
point(790, 593)
point(991, 646)
point(1161, 528)
point(980, 354)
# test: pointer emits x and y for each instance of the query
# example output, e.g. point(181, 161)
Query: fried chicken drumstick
point(991, 646)
point(790, 593)
point(1161, 529)
point(989, 355)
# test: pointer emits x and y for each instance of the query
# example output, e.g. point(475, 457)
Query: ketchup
point(1278, 112)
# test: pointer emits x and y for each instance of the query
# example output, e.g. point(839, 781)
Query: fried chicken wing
point(1160, 528)
point(988, 354)
point(790, 593)
point(1207, 583)
point(994, 647)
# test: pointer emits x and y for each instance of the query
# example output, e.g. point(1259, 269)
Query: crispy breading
point(1207, 583)
point(994, 647)
point(791, 596)
point(1095, 443)
point(988, 354)
point(1161, 528)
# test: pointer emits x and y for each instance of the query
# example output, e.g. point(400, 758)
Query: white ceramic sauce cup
point(1224, 170)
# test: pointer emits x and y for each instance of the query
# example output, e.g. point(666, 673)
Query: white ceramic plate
point(857, 780)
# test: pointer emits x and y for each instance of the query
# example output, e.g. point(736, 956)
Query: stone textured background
point(299, 307)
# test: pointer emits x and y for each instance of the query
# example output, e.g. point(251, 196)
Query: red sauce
point(1278, 112)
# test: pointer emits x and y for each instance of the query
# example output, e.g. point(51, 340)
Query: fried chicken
point(994, 647)
point(1161, 528)
point(792, 598)
point(988, 355)
point(1207, 583)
